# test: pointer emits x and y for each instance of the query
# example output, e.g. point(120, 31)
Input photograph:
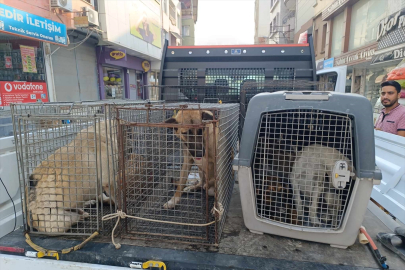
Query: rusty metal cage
point(176, 171)
point(66, 155)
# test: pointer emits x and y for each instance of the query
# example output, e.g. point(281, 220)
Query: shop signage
point(21, 23)
point(389, 56)
point(319, 64)
point(118, 54)
point(28, 59)
point(328, 63)
point(333, 8)
point(9, 63)
point(146, 66)
point(391, 23)
point(356, 56)
point(81, 21)
point(22, 92)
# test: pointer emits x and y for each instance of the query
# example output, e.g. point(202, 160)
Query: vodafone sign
point(22, 92)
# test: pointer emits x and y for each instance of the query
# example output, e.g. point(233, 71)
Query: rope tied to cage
point(122, 215)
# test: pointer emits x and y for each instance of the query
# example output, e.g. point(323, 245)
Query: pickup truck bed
point(238, 249)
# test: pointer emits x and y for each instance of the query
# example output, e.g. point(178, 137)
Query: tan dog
point(308, 178)
point(66, 181)
point(194, 151)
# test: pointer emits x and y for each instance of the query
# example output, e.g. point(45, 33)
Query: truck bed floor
point(238, 249)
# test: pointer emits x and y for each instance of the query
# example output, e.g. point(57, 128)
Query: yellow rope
point(122, 215)
point(49, 252)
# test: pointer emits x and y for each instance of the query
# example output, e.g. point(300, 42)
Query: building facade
point(274, 21)
point(189, 11)
point(347, 33)
point(84, 49)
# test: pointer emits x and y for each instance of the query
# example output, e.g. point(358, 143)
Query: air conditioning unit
point(92, 15)
point(306, 165)
point(65, 5)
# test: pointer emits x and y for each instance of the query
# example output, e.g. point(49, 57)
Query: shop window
point(366, 16)
point(337, 34)
point(21, 60)
point(113, 83)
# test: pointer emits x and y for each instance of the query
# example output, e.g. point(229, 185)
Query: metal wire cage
point(195, 93)
point(176, 172)
point(294, 154)
point(66, 155)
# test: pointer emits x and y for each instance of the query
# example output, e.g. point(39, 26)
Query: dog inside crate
point(294, 158)
point(70, 169)
point(174, 191)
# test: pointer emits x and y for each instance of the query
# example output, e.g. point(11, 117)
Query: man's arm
point(401, 126)
point(401, 133)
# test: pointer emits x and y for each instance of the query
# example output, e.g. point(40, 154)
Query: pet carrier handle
point(306, 95)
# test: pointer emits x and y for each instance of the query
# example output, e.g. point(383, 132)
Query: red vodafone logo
point(8, 87)
point(22, 92)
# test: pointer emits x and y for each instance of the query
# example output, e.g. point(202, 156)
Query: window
point(271, 28)
point(165, 6)
point(364, 22)
point(324, 31)
point(185, 31)
point(178, 20)
point(316, 40)
point(172, 12)
point(337, 34)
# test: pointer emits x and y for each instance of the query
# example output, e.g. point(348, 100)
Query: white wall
point(263, 20)
point(304, 12)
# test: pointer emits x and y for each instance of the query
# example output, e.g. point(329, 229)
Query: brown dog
point(194, 142)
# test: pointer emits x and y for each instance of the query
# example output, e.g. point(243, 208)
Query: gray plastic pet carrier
point(306, 165)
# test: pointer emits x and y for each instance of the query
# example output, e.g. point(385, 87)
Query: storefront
point(390, 53)
point(22, 61)
point(121, 76)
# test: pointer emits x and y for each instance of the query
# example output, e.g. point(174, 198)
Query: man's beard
point(387, 105)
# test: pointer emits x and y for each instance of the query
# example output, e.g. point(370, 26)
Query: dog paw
point(89, 203)
point(211, 191)
point(188, 189)
point(172, 203)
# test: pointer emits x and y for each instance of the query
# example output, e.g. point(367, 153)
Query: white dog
point(307, 177)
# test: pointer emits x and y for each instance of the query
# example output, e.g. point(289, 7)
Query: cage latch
point(340, 174)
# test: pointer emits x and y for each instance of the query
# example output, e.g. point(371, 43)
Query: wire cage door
point(153, 166)
point(176, 173)
point(295, 153)
point(61, 166)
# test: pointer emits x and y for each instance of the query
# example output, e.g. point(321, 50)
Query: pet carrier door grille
point(295, 153)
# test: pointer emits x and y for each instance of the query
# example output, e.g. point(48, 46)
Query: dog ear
point(171, 121)
point(207, 115)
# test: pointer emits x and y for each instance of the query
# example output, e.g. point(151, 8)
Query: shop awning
point(176, 35)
